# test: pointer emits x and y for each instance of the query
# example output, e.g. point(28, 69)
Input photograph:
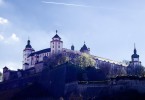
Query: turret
point(135, 58)
point(72, 47)
point(6, 73)
point(26, 52)
point(84, 49)
point(56, 44)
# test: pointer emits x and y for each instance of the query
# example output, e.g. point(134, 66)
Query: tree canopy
point(82, 60)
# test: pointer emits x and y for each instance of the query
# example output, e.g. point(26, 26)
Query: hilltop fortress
point(33, 60)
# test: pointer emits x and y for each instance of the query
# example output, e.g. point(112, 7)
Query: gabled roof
point(41, 51)
point(5, 67)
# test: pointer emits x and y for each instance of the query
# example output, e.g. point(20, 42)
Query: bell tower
point(56, 44)
point(135, 58)
point(26, 52)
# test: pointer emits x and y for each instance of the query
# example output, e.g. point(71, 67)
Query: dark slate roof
point(5, 67)
point(26, 64)
point(56, 36)
point(135, 55)
point(41, 51)
point(84, 48)
point(73, 46)
point(28, 44)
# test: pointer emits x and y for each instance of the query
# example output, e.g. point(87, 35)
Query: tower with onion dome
point(26, 52)
point(135, 58)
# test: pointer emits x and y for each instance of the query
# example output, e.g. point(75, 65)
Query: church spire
point(135, 51)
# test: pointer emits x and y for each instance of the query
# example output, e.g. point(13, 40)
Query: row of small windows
point(41, 55)
point(58, 42)
point(58, 51)
point(58, 46)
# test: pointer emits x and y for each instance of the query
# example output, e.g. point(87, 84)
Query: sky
point(109, 27)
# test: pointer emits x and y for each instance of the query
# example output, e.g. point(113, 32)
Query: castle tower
point(84, 49)
point(26, 52)
point(56, 44)
point(72, 47)
point(135, 58)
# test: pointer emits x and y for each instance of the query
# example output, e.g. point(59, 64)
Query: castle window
point(53, 46)
point(59, 46)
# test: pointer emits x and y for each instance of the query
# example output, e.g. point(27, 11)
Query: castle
point(33, 60)
point(31, 57)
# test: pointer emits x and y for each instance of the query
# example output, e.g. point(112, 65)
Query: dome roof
point(28, 44)
point(135, 55)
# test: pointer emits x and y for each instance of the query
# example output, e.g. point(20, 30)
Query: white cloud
point(1, 37)
point(14, 37)
point(1, 2)
point(10, 40)
point(3, 20)
point(66, 4)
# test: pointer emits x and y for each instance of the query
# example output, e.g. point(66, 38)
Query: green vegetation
point(83, 60)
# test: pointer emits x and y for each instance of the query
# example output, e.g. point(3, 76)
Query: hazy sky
point(109, 27)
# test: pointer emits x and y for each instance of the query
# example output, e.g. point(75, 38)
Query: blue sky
point(109, 27)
